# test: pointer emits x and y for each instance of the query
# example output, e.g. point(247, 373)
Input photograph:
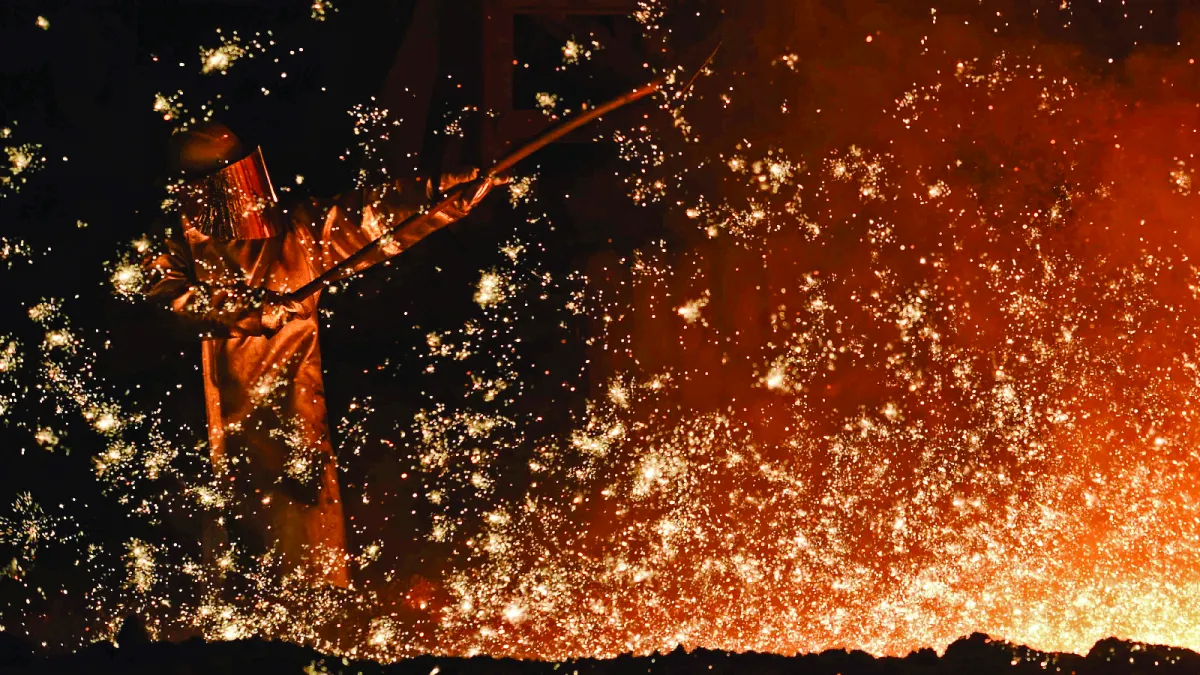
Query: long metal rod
point(498, 169)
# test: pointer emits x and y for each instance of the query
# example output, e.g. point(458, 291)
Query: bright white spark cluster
point(221, 58)
point(321, 9)
point(17, 162)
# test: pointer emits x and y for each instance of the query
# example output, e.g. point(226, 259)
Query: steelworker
point(238, 252)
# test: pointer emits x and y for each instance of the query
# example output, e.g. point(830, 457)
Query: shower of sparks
point(371, 127)
point(649, 12)
point(520, 190)
point(221, 58)
point(574, 51)
point(790, 60)
point(12, 250)
point(128, 275)
point(492, 289)
point(1182, 178)
point(27, 529)
point(20, 157)
point(167, 106)
point(546, 102)
point(690, 311)
point(17, 162)
point(321, 9)
point(911, 384)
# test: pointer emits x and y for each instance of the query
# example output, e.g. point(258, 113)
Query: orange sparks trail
point(918, 356)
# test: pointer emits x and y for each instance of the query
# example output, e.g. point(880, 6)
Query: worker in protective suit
point(238, 252)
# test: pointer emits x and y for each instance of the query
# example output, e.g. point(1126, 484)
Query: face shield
point(236, 203)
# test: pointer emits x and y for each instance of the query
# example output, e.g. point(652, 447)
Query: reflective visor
point(237, 202)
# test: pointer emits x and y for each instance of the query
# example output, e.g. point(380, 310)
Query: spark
point(491, 290)
point(321, 9)
point(219, 59)
point(546, 102)
point(690, 311)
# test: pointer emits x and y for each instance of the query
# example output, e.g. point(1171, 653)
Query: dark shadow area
point(974, 655)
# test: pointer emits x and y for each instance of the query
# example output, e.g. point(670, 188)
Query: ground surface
point(974, 655)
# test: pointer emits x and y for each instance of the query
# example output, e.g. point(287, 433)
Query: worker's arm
point(217, 310)
point(341, 227)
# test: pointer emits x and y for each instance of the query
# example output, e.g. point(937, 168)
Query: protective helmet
point(226, 193)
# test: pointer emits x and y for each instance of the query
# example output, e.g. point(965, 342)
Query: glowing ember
point(492, 289)
point(218, 59)
point(547, 102)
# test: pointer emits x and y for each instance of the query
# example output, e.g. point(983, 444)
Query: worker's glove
point(278, 309)
point(473, 189)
